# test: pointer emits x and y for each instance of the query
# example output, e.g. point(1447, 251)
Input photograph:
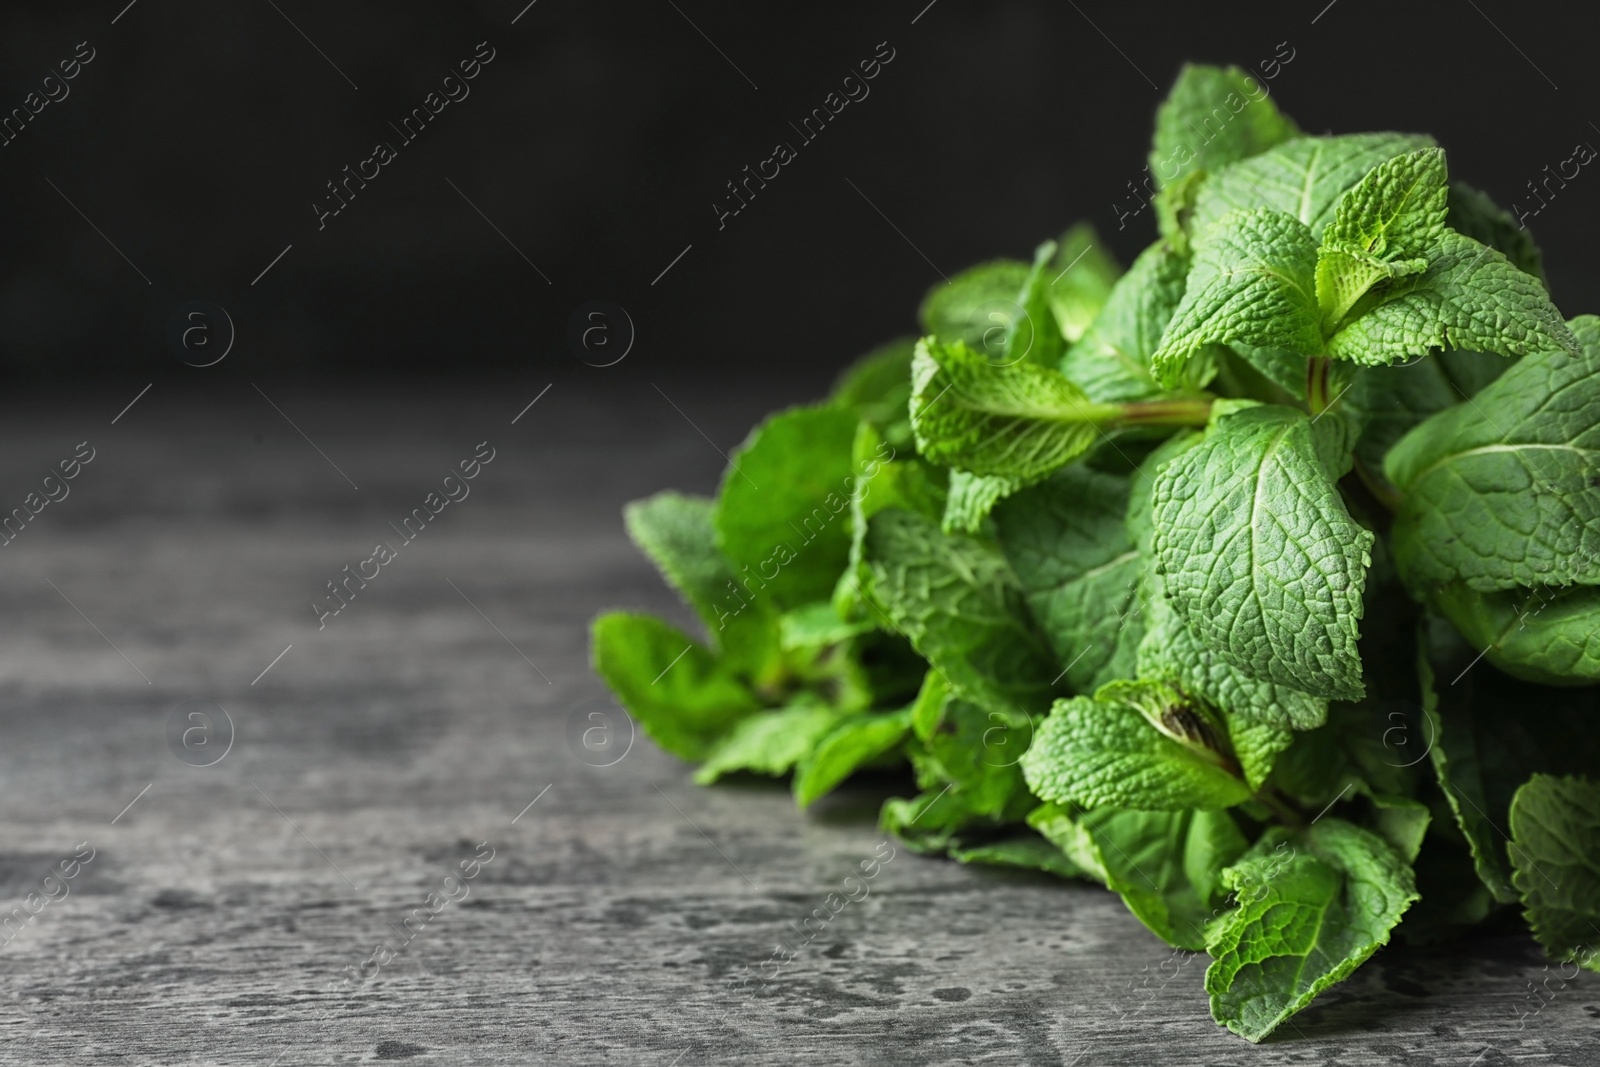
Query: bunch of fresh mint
point(1259, 583)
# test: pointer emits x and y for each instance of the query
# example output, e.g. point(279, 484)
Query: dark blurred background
point(596, 141)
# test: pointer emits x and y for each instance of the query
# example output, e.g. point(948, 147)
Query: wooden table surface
point(224, 903)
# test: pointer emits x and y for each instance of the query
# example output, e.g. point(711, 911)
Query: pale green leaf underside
point(849, 745)
point(770, 742)
point(1108, 751)
point(1252, 282)
point(973, 496)
point(1311, 910)
point(1505, 491)
point(1260, 557)
point(1017, 420)
point(1550, 636)
point(1555, 850)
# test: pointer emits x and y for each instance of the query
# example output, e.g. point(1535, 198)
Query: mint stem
point(1166, 413)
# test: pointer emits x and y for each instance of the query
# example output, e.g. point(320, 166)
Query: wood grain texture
point(619, 910)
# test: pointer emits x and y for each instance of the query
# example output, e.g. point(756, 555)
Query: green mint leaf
point(1304, 177)
point(677, 691)
point(884, 479)
point(1167, 866)
point(1112, 360)
point(1402, 822)
point(877, 387)
point(1068, 543)
point(1032, 333)
point(1311, 909)
point(1252, 282)
point(958, 602)
point(976, 307)
point(931, 822)
point(974, 496)
point(1480, 754)
point(1545, 635)
point(1382, 228)
point(1480, 218)
point(1555, 848)
point(769, 742)
point(1213, 116)
point(1028, 852)
point(1018, 420)
point(1502, 492)
point(850, 745)
point(817, 626)
point(1470, 296)
point(1260, 557)
point(1079, 280)
point(1137, 745)
point(677, 532)
point(975, 751)
point(781, 516)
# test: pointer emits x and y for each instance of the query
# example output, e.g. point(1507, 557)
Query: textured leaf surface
point(973, 496)
point(676, 690)
point(1546, 635)
point(1112, 360)
point(1260, 557)
point(769, 742)
point(1470, 296)
point(1068, 543)
point(957, 601)
point(1214, 116)
point(1252, 282)
point(1505, 491)
point(1167, 866)
point(1382, 228)
point(1304, 177)
point(1310, 910)
point(1555, 850)
point(1137, 745)
point(1017, 420)
point(783, 504)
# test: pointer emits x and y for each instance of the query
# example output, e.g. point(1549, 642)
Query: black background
point(602, 133)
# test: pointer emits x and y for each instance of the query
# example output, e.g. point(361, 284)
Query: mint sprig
point(1259, 584)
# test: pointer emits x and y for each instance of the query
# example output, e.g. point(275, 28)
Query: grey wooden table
point(223, 904)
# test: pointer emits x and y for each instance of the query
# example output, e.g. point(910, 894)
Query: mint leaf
point(1112, 360)
point(877, 387)
point(1480, 218)
point(957, 601)
point(1134, 745)
point(1555, 835)
point(1017, 420)
point(1067, 542)
point(1080, 279)
point(851, 744)
point(1167, 866)
point(1213, 116)
point(976, 307)
point(1304, 177)
point(1502, 492)
point(1383, 228)
point(1259, 555)
point(781, 516)
point(679, 693)
point(769, 742)
point(1032, 333)
point(1311, 909)
point(1481, 755)
point(1253, 283)
point(973, 496)
point(882, 481)
point(1545, 635)
point(1470, 296)
point(975, 751)
point(1025, 851)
